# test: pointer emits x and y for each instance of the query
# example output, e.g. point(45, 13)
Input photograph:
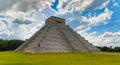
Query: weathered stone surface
point(54, 19)
point(56, 37)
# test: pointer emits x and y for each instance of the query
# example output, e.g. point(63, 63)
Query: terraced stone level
point(55, 36)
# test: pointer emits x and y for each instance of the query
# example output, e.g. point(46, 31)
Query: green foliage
point(109, 49)
point(6, 45)
point(22, 58)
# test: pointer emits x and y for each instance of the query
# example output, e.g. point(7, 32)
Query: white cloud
point(24, 5)
point(2, 26)
point(31, 5)
point(80, 5)
point(105, 39)
point(115, 4)
point(106, 15)
point(73, 5)
point(104, 4)
point(16, 31)
point(14, 14)
point(4, 32)
point(111, 34)
point(5, 5)
point(87, 22)
point(98, 40)
point(23, 24)
point(82, 29)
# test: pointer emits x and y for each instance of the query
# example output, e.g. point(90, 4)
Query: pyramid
point(56, 36)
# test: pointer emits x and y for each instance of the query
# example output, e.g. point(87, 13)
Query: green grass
point(22, 58)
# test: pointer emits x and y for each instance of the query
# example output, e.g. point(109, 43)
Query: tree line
point(109, 49)
point(9, 45)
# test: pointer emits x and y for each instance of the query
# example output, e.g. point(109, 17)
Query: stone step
point(72, 38)
point(54, 32)
point(85, 42)
point(53, 36)
point(54, 43)
point(57, 46)
point(54, 40)
point(53, 49)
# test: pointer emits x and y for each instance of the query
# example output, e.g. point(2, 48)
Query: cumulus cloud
point(4, 32)
point(105, 39)
point(18, 21)
point(14, 14)
point(111, 34)
point(87, 22)
point(80, 5)
point(73, 5)
point(98, 40)
point(2, 26)
point(18, 30)
point(24, 5)
point(115, 5)
point(29, 5)
point(28, 18)
point(106, 15)
point(21, 9)
point(5, 5)
point(98, 4)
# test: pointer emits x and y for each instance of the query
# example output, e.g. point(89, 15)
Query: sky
point(98, 21)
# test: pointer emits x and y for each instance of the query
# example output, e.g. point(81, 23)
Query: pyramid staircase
point(55, 36)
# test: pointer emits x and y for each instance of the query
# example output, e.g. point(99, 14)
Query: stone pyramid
point(55, 36)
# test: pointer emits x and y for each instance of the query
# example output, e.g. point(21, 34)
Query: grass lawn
point(23, 58)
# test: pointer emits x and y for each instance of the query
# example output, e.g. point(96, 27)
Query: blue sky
point(98, 21)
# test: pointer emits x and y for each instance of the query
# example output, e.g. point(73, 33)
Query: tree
point(6, 45)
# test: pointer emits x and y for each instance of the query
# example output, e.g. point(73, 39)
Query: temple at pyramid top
point(54, 19)
point(56, 36)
